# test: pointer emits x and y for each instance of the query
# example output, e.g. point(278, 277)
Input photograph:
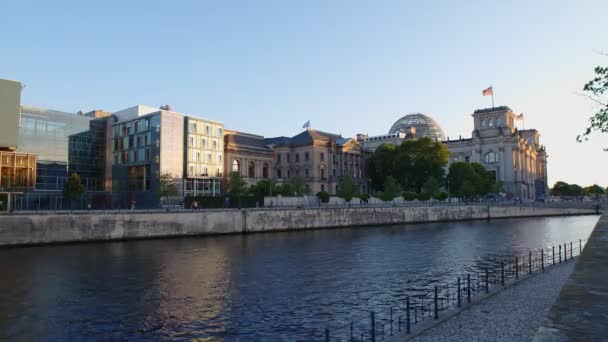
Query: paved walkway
point(581, 311)
point(511, 315)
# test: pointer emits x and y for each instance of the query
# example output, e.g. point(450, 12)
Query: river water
point(277, 286)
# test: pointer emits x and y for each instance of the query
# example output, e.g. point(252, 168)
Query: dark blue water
point(278, 286)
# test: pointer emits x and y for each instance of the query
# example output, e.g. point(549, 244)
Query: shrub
point(442, 196)
point(364, 197)
point(323, 196)
point(424, 197)
point(409, 196)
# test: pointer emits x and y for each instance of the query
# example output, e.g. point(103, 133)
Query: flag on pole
point(519, 117)
point(306, 124)
point(487, 92)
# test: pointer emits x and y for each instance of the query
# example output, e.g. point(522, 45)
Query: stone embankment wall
point(40, 229)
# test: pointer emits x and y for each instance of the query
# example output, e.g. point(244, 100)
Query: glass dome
point(425, 126)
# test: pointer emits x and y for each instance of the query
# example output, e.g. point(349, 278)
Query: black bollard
point(436, 303)
point(468, 288)
point(459, 303)
point(407, 317)
point(542, 259)
point(487, 279)
point(373, 330)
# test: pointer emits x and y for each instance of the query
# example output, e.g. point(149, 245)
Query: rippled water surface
point(247, 288)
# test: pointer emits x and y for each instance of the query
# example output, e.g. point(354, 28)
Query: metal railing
point(429, 302)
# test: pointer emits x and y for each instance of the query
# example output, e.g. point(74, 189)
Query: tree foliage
point(237, 187)
point(347, 188)
point(392, 189)
point(594, 190)
point(168, 187)
point(468, 180)
point(73, 188)
point(565, 189)
point(596, 90)
point(411, 164)
point(263, 188)
point(323, 196)
point(298, 186)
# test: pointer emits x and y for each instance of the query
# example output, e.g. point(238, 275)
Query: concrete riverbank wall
point(60, 228)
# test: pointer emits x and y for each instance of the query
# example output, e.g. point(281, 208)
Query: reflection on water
point(261, 286)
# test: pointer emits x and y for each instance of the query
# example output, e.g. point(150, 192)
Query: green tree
point(431, 186)
point(594, 190)
point(168, 186)
point(471, 180)
point(237, 187)
point(418, 160)
point(298, 185)
point(565, 189)
point(382, 164)
point(392, 189)
point(347, 188)
point(263, 188)
point(597, 90)
point(559, 189)
point(461, 179)
point(323, 196)
point(73, 188)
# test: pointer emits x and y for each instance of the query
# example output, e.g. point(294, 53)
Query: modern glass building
point(144, 148)
point(46, 133)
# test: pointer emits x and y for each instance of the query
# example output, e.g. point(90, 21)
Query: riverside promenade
point(581, 310)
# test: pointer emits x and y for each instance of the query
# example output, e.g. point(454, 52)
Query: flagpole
point(492, 96)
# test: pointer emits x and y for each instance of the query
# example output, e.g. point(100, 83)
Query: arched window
point(322, 171)
point(490, 123)
point(498, 123)
point(490, 157)
point(251, 172)
point(265, 171)
point(483, 123)
point(236, 166)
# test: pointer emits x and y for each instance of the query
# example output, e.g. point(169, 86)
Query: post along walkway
point(581, 310)
point(510, 315)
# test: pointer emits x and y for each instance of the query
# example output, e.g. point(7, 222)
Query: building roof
point(492, 109)
point(425, 126)
point(245, 141)
point(306, 138)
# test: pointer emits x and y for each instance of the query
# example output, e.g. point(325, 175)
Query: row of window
point(203, 171)
point(132, 127)
point(195, 127)
point(132, 141)
point(193, 142)
point(488, 158)
point(347, 157)
point(251, 170)
point(133, 156)
point(196, 156)
point(491, 122)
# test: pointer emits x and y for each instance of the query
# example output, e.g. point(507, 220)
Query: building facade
point(321, 158)
point(46, 133)
point(516, 157)
point(204, 159)
point(249, 155)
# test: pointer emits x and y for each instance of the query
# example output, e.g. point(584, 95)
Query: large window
point(251, 170)
point(236, 166)
point(265, 171)
point(490, 157)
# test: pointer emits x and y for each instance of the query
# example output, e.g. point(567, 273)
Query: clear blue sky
point(348, 66)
